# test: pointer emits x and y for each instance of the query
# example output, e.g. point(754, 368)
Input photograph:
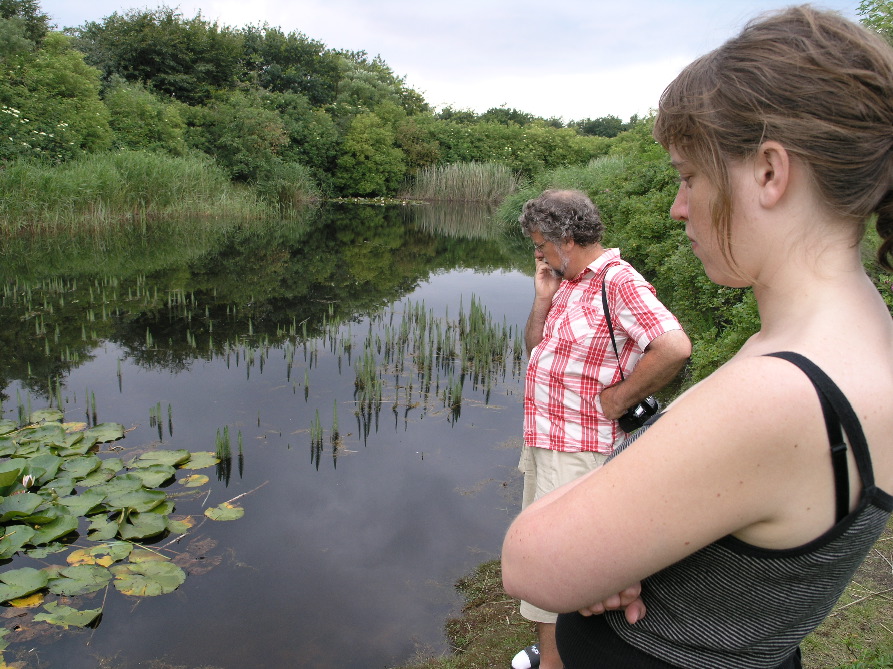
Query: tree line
point(262, 103)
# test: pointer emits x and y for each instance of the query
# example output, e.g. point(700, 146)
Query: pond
point(364, 365)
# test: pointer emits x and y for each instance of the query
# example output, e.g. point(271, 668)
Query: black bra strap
point(837, 412)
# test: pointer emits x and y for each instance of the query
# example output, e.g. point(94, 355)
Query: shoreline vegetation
point(489, 630)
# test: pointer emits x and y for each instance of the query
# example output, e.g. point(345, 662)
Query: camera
point(635, 416)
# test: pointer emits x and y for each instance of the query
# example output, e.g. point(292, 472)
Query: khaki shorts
point(545, 470)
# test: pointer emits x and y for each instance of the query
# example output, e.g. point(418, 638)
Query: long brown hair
point(817, 83)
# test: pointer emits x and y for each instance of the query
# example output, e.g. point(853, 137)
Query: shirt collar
point(598, 264)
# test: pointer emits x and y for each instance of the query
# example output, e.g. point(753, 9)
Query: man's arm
point(662, 360)
point(545, 285)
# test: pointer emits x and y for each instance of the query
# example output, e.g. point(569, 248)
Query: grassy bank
point(857, 635)
point(101, 190)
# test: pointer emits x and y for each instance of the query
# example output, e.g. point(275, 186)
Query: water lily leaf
point(84, 503)
point(180, 525)
point(101, 529)
point(104, 554)
point(64, 485)
point(172, 458)
point(48, 464)
point(148, 579)
point(194, 481)
point(81, 466)
point(46, 416)
point(20, 582)
point(47, 433)
point(75, 426)
point(8, 446)
point(14, 537)
point(80, 579)
point(153, 476)
point(45, 551)
point(105, 432)
point(19, 506)
point(100, 476)
point(164, 509)
point(200, 460)
point(225, 511)
point(76, 444)
point(7, 426)
point(136, 500)
point(29, 602)
point(142, 526)
point(120, 485)
point(65, 616)
point(54, 529)
point(11, 472)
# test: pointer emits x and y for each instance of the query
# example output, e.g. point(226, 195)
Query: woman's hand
point(629, 600)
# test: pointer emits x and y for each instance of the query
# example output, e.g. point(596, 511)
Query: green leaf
point(80, 579)
point(105, 432)
point(82, 504)
point(47, 462)
point(172, 458)
point(52, 434)
point(14, 537)
point(19, 506)
point(46, 416)
point(81, 466)
point(20, 582)
point(11, 473)
point(7, 426)
point(225, 511)
point(194, 481)
point(136, 500)
point(148, 579)
point(55, 529)
point(153, 476)
point(104, 554)
point(142, 526)
point(200, 460)
point(65, 616)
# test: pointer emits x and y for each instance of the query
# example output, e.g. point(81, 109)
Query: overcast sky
point(570, 59)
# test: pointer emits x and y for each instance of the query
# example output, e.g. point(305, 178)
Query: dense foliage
point(260, 102)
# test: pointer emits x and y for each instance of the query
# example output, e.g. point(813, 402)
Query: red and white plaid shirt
point(575, 359)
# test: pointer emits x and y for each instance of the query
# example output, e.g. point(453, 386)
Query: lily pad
point(19, 506)
point(84, 503)
point(81, 466)
point(104, 554)
point(80, 579)
point(225, 511)
point(194, 481)
point(49, 433)
point(172, 458)
point(142, 526)
point(105, 432)
point(201, 460)
point(20, 582)
point(59, 527)
point(148, 579)
point(65, 616)
point(154, 475)
point(7, 426)
point(45, 416)
point(136, 500)
point(14, 538)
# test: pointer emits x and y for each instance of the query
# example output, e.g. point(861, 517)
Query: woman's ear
point(772, 170)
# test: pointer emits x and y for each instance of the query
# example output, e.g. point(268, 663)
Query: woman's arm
point(745, 452)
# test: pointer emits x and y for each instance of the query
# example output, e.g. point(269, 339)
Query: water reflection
point(367, 492)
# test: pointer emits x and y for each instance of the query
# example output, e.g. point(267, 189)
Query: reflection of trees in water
point(174, 293)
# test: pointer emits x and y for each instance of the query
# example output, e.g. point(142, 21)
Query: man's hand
point(629, 600)
point(545, 283)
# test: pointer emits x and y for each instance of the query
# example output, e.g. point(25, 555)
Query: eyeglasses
point(539, 247)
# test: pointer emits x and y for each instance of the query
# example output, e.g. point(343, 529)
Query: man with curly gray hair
point(577, 386)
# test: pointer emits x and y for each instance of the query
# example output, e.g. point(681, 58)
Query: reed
point(102, 190)
point(465, 182)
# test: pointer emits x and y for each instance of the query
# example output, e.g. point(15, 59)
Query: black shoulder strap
point(837, 412)
point(607, 311)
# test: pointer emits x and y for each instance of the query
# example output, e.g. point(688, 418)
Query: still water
point(348, 550)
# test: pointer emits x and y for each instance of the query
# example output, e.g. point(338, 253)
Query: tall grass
point(100, 189)
point(468, 182)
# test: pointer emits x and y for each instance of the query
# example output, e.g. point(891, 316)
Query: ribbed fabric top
point(733, 605)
